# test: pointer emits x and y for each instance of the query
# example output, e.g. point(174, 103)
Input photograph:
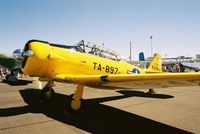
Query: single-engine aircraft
point(88, 64)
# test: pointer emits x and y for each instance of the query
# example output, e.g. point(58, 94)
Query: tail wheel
point(151, 91)
point(47, 93)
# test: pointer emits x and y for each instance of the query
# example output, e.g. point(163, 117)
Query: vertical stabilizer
point(156, 64)
point(141, 56)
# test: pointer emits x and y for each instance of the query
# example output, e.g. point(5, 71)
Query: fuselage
point(48, 61)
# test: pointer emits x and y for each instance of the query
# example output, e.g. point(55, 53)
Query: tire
point(47, 94)
point(70, 108)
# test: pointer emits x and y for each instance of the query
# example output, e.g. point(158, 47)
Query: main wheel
point(75, 105)
point(47, 93)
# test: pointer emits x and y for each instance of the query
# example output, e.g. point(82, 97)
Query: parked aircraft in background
point(87, 64)
point(9, 67)
point(192, 65)
point(141, 56)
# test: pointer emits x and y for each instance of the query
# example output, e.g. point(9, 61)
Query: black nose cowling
point(25, 53)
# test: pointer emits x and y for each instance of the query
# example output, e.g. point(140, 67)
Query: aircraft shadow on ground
point(129, 93)
point(93, 117)
point(17, 83)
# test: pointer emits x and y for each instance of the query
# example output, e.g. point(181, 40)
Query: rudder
point(156, 64)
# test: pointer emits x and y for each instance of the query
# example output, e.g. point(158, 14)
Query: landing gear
point(75, 103)
point(151, 91)
point(48, 92)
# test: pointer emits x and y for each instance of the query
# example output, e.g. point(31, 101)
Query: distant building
point(197, 57)
point(176, 59)
point(179, 59)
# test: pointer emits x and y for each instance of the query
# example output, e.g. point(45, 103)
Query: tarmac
point(170, 110)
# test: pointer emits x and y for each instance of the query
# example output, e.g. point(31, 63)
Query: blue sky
point(174, 24)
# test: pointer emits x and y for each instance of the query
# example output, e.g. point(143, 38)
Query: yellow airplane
point(87, 64)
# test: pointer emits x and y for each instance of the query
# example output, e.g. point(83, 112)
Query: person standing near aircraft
point(176, 68)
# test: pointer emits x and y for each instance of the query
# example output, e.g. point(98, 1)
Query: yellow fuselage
point(49, 61)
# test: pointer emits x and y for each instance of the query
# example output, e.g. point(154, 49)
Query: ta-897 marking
point(107, 68)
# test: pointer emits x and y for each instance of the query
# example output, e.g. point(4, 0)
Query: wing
point(131, 81)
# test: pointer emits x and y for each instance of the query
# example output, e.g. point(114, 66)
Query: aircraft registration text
point(107, 68)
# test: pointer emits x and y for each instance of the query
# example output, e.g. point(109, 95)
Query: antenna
point(151, 37)
point(130, 51)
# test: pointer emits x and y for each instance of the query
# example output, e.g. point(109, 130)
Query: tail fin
point(156, 64)
point(141, 56)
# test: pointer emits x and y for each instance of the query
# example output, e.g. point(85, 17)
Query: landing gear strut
point(48, 92)
point(76, 102)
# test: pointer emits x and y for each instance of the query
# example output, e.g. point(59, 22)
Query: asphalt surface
point(170, 110)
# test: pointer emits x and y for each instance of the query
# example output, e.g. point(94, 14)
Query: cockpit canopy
point(91, 48)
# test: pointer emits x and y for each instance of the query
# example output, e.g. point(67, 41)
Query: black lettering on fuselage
point(99, 67)
point(106, 68)
point(94, 65)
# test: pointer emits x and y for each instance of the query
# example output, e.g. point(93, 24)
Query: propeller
point(20, 54)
